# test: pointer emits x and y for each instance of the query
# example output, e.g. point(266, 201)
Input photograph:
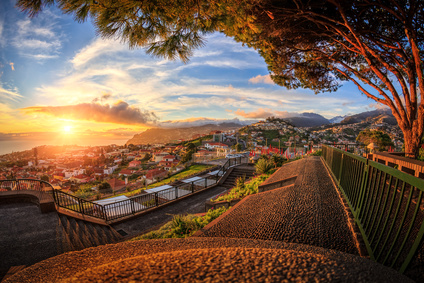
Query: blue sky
point(58, 76)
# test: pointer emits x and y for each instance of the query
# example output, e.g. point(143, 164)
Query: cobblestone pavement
point(310, 212)
point(208, 260)
point(27, 236)
point(298, 233)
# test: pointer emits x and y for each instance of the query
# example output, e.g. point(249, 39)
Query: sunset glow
point(67, 129)
point(54, 69)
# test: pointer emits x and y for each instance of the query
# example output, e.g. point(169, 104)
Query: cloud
point(9, 94)
point(38, 38)
point(12, 66)
point(98, 48)
point(258, 114)
point(261, 79)
point(2, 37)
point(104, 97)
point(120, 113)
point(378, 106)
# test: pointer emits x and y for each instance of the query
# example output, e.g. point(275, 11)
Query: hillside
point(168, 135)
point(308, 120)
point(375, 116)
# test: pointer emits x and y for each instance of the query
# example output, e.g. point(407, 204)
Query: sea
point(9, 146)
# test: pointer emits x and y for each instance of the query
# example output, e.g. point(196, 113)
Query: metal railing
point(387, 205)
point(71, 202)
point(232, 162)
point(124, 208)
point(130, 206)
point(42, 188)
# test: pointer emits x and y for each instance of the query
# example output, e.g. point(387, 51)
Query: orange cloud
point(260, 113)
point(261, 79)
point(120, 113)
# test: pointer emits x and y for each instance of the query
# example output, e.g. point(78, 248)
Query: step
point(12, 270)
point(85, 237)
point(94, 235)
point(102, 235)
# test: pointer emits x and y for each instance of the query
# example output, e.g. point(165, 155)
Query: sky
point(58, 78)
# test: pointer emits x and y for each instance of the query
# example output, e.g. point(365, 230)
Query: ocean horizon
point(9, 146)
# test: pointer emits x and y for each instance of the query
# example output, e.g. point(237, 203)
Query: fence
point(79, 205)
point(124, 208)
point(41, 188)
point(387, 206)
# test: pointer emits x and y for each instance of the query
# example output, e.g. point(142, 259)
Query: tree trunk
point(412, 143)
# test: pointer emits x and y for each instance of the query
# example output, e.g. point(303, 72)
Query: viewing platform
point(299, 232)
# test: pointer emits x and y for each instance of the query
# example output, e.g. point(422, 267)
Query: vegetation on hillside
point(243, 188)
point(379, 138)
point(193, 169)
point(183, 226)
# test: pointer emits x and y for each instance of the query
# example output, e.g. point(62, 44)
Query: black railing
point(70, 202)
point(42, 188)
point(120, 209)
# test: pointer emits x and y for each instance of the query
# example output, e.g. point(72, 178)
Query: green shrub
point(182, 226)
point(264, 166)
point(243, 189)
point(316, 153)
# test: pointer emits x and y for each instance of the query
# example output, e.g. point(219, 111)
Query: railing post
point(206, 182)
point(81, 206)
point(156, 199)
point(192, 187)
point(104, 213)
point(341, 169)
point(132, 207)
point(54, 196)
point(176, 192)
point(362, 189)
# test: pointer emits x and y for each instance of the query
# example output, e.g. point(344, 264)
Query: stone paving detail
point(26, 235)
point(207, 260)
point(310, 212)
point(293, 234)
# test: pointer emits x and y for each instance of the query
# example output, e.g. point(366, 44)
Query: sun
point(67, 129)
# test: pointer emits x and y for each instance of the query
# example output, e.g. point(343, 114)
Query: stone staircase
point(239, 171)
point(79, 234)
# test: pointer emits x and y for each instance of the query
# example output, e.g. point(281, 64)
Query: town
point(103, 171)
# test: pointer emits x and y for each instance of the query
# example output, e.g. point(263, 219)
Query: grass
point(193, 169)
point(183, 226)
point(243, 189)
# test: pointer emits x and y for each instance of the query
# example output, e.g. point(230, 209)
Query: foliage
point(190, 149)
point(377, 45)
point(183, 226)
point(421, 154)
point(278, 160)
point(316, 153)
point(44, 178)
point(263, 166)
point(85, 191)
point(104, 187)
point(382, 140)
point(243, 189)
point(146, 157)
point(191, 170)
point(237, 147)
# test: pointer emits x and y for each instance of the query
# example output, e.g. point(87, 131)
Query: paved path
point(290, 234)
point(310, 212)
point(155, 219)
point(27, 236)
point(207, 260)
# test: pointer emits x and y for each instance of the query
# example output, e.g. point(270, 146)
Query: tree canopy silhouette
point(316, 44)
